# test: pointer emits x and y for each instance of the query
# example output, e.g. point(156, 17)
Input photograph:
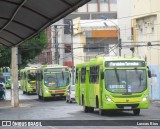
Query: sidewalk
point(156, 102)
point(5, 104)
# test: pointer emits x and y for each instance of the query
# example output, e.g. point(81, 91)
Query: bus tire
point(39, 97)
point(43, 98)
point(66, 101)
point(91, 109)
point(136, 112)
point(101, 112)
point(97, 102)
point(85, 108)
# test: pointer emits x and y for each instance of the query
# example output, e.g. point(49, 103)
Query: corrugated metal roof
point(23, 19)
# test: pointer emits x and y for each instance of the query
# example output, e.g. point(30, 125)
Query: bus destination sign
point(125, 64)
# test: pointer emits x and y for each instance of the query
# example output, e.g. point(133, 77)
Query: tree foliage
point(28, 50)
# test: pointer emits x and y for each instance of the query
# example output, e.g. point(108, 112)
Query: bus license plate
point(127, 107)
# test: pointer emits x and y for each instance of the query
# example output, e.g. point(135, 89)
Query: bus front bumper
point(125, 106)
point(31, 90)
point(54, 93)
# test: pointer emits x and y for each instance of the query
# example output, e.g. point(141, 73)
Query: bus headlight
point(29, 85)
point(145, 98)
point(46, 90)
point(108, 99)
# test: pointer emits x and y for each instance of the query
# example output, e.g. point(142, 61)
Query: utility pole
point(56, 45)
point(72, 53)
point(14, 77)
point(118, 31)
point(120, 46)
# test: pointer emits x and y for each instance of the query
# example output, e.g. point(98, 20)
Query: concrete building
point(46, 56)
point(139, 23)
point(60, 37)
point(90, 11)
point(93, 38)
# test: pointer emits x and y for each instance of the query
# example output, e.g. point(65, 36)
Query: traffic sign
point(5, 74)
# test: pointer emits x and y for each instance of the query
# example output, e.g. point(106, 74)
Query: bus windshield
point(56, 79)
point(31, 76)
point(125, 81)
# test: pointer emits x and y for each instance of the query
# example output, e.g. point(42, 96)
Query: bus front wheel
point(136, 112)
point(91, 109)
point(43, 98)
point(39, 97)
point(101, 112)
point(85, 108)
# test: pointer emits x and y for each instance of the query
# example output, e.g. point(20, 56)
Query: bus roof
point(101, 60)
point(54, 66)
point(28, 68)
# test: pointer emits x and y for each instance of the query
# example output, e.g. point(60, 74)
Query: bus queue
point(104, 83)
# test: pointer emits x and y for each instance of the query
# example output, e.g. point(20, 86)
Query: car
point(70, 95)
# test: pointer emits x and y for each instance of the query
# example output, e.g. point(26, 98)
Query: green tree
point(28, 50)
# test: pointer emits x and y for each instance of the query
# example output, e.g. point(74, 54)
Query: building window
point(113, 1)
point(103, 1)
point(95, 47)
point(67, 29)
point(94, 72)
point(67, 48)
point(93, 1)
point(83, 75)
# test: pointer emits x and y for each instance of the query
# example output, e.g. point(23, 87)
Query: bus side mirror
point(102, 75)
point(149, 73)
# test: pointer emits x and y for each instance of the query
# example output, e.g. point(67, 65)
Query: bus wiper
point(140, 78)
point(62, 75)
point(117, 77)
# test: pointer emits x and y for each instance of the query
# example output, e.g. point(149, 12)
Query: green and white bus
point(52, 81)
point(28, 80)
point(5, 72)
point(8, 82)
point(113, 83)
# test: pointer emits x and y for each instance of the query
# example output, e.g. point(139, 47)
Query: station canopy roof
point(22, 19)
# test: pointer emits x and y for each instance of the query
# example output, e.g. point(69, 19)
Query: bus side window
point(83, 75)
point(94, 74)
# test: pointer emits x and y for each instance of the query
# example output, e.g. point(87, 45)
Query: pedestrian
point(2, 90)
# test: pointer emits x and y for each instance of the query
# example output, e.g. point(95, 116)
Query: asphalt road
point(36, 110)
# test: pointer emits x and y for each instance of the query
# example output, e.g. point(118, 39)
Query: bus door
point(87, 86)
point(78, 86)
point(101, 82)
point(82, 84)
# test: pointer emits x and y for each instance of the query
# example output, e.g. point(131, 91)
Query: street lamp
point(118, 29)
